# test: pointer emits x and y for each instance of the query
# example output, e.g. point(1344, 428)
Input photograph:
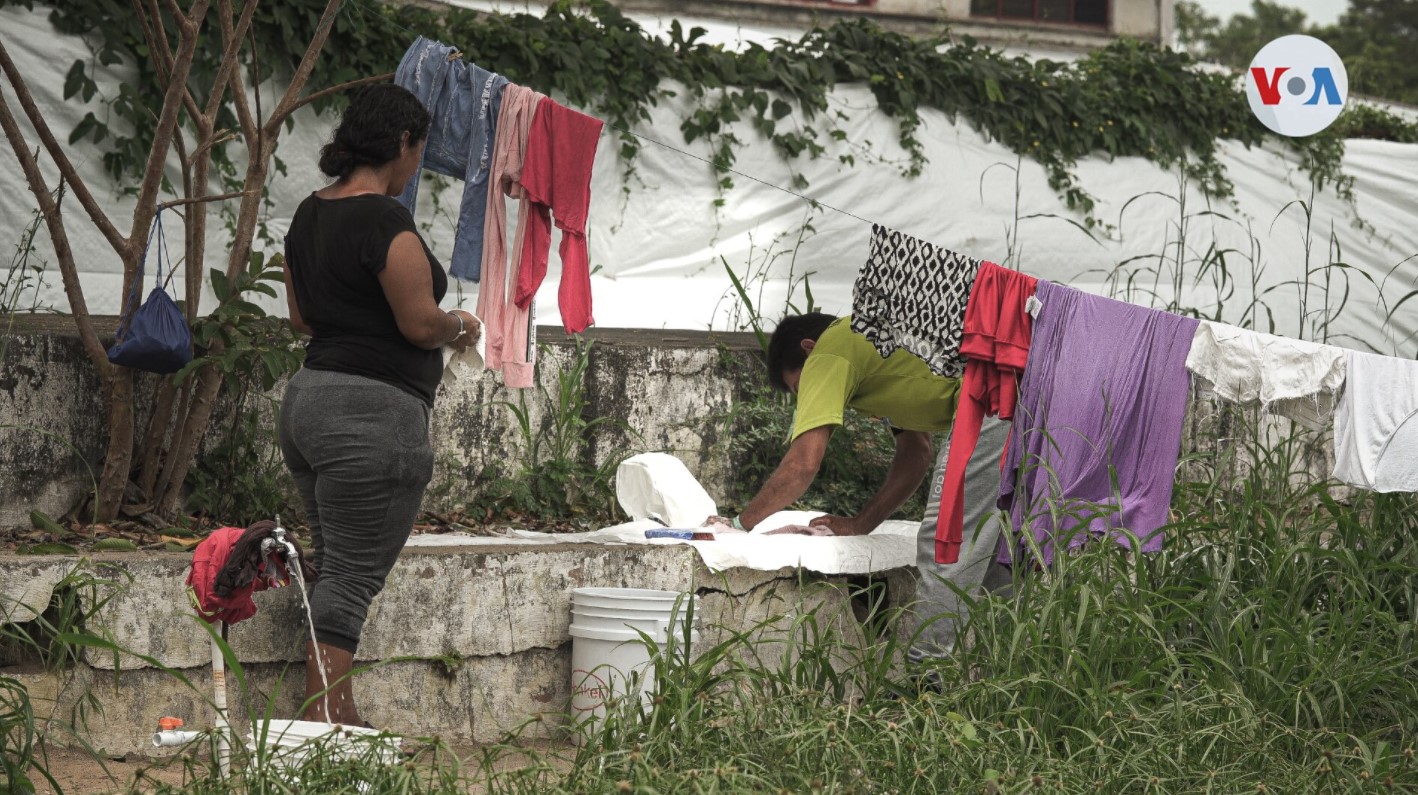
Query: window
point(1074, 12)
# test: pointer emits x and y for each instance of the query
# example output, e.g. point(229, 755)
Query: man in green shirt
point(832, 368)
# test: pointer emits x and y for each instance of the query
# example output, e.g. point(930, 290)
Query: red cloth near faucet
point(227, 568)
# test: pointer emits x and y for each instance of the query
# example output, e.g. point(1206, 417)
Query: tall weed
point(556, 475)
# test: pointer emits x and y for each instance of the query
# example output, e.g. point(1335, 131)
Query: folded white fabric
point(1376, 424)
point(659, 486)
point(465, 364)
point(1298, 379)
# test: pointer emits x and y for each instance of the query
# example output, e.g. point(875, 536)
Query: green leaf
point(86, 126)
point(221, 286)
point(247, 308)
point(74, 80)
point(115, 545)
point(992, 90)
point(40, 520)
point(273, 363)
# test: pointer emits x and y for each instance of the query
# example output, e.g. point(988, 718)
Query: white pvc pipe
point(173, 737)
point(222, 736)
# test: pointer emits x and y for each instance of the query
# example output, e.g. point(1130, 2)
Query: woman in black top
point(354, 420)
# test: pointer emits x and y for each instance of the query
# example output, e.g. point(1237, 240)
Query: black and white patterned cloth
point(912, 294)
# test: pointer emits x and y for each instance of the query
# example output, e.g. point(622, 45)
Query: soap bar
point(683, 534)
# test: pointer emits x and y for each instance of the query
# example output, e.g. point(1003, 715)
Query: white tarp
point(659, 249)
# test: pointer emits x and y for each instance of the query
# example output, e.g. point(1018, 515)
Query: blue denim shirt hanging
point(152, 337)
point(463, 100)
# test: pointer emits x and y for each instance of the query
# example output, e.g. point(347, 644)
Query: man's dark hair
point(372, 129)
point(785, 347)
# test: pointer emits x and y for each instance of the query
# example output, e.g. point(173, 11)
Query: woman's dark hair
point(785, 347)
point(372, 128)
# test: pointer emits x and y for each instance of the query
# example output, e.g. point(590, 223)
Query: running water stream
point(293, 566)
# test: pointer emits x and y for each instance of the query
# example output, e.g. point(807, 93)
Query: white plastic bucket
point(289, 743)
point(607, 647)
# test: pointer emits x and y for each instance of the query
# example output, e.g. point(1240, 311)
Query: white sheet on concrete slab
point(892, 545)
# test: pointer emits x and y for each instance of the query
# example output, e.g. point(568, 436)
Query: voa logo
point(1297, 85)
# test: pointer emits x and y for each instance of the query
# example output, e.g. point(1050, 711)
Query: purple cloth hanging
point(1099, 423)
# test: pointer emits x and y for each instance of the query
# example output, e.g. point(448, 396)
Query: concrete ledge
point(468, 645)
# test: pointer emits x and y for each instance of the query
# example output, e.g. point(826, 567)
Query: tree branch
point(156, 36)
point(203, 199)
point(325, 92)
point(49, 208)
point(238, 87)
point(67, 171)
point(302, 72)
point(182, 65)
point(176, 11)
point(229, 60)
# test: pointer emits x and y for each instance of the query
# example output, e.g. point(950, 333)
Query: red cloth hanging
point(996, 347)
point(556, 179)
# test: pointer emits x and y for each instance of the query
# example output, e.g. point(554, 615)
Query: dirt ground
point(80, 773)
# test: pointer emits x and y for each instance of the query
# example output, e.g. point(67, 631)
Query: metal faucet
point(279, 543)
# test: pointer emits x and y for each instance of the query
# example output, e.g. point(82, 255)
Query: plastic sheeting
point(661, 250)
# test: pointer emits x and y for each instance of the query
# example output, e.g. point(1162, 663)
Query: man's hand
point(842, 525)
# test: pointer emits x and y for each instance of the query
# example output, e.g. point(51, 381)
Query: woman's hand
point(472, 330)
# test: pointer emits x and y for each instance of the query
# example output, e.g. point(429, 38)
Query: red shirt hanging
point(995, 346)
point(556, 178)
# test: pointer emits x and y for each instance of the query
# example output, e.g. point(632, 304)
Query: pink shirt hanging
point(504, 322)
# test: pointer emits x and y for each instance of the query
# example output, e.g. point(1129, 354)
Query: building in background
point(1050, 24)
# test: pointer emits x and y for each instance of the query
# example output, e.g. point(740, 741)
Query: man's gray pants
point(939, 610)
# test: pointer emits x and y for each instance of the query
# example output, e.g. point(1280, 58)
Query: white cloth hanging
point(1376, 424)
point(1297, 379)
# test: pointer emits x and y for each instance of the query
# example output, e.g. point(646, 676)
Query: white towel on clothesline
point(1297, 379)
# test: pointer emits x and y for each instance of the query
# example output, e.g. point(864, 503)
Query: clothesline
point(705, 160)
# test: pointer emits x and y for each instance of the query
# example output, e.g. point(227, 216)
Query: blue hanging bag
point(155, 336)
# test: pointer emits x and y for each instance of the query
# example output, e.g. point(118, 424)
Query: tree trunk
point(118, 458)
point(184, 447)
point(155, 440)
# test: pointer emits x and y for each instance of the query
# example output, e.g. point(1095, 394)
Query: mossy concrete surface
point(468, 643)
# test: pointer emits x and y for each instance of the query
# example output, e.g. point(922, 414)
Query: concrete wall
point(1143, 19)
point(1140, 19)
point(671, 390)
point(467, 643)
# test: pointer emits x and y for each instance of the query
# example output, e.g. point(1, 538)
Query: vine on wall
point(1127, 99)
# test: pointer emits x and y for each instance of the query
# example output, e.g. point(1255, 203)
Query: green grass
point(1269, 648)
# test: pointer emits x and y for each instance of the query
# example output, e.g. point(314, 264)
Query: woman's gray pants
point(358, 450)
